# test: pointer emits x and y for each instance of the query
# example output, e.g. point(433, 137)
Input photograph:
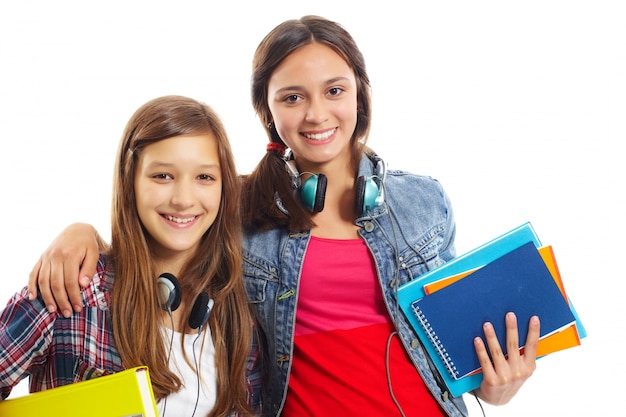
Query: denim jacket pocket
point(257, 273)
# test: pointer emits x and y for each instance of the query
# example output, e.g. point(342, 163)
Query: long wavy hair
point(215, 267)
point(269, 179)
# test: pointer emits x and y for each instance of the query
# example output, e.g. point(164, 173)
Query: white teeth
point(319, 136)
point(178, 219)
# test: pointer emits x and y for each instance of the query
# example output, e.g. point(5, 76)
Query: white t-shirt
point(183, 402)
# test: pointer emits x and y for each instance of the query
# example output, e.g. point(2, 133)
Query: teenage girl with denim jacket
point(329, 236)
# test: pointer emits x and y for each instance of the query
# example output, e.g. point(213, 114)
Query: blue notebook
point(475, 258)
point(518, 281)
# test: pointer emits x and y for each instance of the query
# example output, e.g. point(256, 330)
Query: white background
point(518, 108)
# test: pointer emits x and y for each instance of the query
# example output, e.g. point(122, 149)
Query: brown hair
point(269, 179)
point(215, 267)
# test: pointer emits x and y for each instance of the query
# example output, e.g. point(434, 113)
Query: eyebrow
point(329, 82)
point(158, 164)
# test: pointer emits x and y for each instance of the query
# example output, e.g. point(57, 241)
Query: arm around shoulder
point(66, 265)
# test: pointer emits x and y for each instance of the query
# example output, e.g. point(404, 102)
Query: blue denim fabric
point(408, 235)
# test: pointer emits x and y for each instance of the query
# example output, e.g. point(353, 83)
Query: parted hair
point(214, 268)
point(269, 180)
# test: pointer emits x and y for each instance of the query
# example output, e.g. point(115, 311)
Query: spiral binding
point(441, 350)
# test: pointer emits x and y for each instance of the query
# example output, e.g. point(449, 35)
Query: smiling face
point(178, 188)
point(312, 96)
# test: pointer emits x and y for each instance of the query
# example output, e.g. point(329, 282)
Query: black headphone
point(369, 190)
point(170, 295)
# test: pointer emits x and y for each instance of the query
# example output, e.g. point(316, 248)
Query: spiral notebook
point(518, 281)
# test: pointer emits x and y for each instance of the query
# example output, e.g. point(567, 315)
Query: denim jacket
point(410, 233)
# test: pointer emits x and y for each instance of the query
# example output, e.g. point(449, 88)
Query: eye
point(206, 177)
point(162, 176)
point(292, 98)
point(335, 91)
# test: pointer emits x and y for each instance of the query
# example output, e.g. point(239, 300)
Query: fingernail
point(67, 314)
point(51, 309)
point(78, 308)
point(84, 281)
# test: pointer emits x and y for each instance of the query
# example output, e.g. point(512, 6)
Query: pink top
point(341, 338)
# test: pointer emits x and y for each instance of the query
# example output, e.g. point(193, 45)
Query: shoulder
point(98, 293)
point(399, 177)
point(419, 198)
point(421, 205)
point(406, 187)
point(400, 180)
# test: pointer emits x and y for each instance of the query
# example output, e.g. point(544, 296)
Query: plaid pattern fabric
point(254, 376)
point(53, 350)
point(56, 351)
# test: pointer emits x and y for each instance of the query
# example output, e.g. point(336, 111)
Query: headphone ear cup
point(170, 293)
point(359, 196)
point(313, 192)
point(367, 194)
point(200, 311)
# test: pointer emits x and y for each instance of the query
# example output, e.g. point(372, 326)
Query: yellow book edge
point(127, 393)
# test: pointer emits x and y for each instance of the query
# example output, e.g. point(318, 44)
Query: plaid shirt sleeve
point(254, 376)
point(26, 329)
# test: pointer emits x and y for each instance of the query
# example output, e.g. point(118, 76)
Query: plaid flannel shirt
point(55, 351)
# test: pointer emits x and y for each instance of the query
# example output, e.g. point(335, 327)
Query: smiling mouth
point(180, 220)
point(320, 136)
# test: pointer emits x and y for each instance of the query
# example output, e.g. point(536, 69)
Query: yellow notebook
point(123, 394)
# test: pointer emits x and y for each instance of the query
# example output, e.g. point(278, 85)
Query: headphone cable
point(197, 365)
point(169, 353)
point(394, 219)
point(397, 308)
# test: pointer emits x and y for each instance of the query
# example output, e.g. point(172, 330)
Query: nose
point(182, 194)
point(316, 111)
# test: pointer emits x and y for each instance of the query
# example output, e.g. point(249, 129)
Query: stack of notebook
point(448, 305)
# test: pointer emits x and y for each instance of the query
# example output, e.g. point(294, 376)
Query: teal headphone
point(369, 191)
